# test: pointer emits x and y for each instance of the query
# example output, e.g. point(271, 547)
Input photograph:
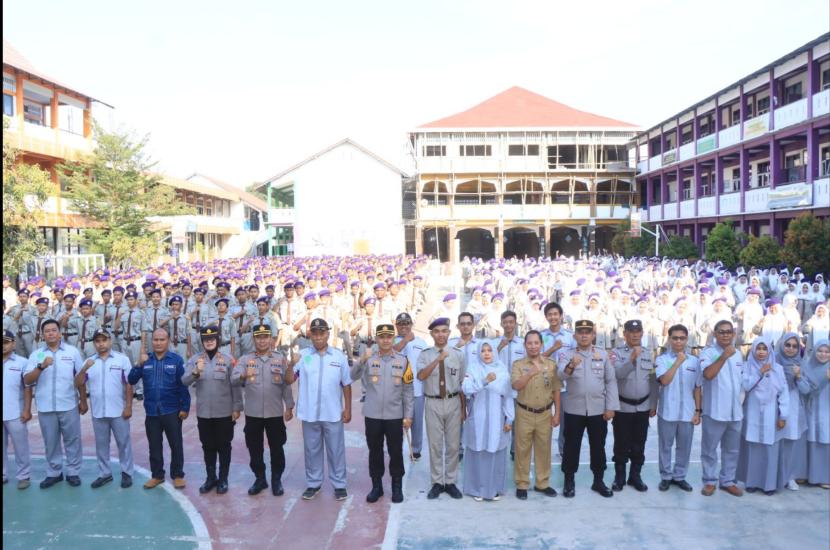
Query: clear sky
point(240, 90)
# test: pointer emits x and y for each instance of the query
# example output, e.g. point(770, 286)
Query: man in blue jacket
point(166, 404)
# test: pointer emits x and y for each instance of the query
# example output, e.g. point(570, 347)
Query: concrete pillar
point(744, 179)
point(718, 183)
point(53, 110)
point(500, 240)
point(88, 119)
point(813, 160)
point(419, 239)
point(773, 100)
point(774, 162)
point(453, 249)
point(18, 99)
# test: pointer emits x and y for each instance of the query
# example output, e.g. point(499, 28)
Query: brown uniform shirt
point(540, 389)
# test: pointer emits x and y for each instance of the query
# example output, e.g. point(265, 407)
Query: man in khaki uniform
point(535, 379)
point(441, 369)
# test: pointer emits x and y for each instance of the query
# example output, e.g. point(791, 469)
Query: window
point(475, 150)
point(705, 186)
point(657, 193)
point(825, 78)
point(792, 93)
point(763, 105)
point(736, 116)
point(200, 205)
point(687, 189)
point(522, 150)
point(706, 125)
point(686, 134)
point(33, 112)
point(435, 150)
point(8, 105)
point(209, 207)
point(670, 140)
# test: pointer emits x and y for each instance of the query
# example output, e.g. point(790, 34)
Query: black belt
point(228, 343)
point(87, 340)
point(70, 333)
point(634, 402)
point(118, 332)
point(449, 396)
point(537, 411)
point(133, 339)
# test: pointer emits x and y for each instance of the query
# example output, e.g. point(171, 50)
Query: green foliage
point(680, 246)
point(723, 244)
point(761, 252)
point(623, 243)
point(25, 190)
point(116, 190)
point(807, 244)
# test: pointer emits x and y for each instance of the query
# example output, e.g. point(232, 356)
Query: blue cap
point(449, 297)
point(441, 321)
point(174, 300)
point(86, 302)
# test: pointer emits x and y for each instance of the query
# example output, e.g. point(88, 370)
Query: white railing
point(821, 103)
point(790, 114)
point(759, 180)
point(54, 265)
point(281, 216)
point(687, 151)
point(731, 185)
point(642, 166)
point(655, 162)
point(729, 136)
point(655, 212)
point(706, 206)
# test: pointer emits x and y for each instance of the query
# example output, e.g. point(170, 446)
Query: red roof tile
point(520, 108)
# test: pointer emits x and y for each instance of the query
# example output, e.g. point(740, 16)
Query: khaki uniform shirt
point(453, 371)
point(538, 393)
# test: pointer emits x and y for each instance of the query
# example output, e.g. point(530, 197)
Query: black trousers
point(216, 435)
point(630, 432)
point(376, 431)
point(274, 430)
point(575, 426)
point(171, 426)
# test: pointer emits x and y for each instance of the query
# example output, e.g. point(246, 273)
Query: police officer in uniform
point(266, 379)
point(441, 369)
point(638, 391)
point(589, 403)
point(387, 376)
point(218, 405)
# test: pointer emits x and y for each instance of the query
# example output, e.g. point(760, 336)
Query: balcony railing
point(759, 180)
point(793, 174)
point(824, 168)
point(731, 185)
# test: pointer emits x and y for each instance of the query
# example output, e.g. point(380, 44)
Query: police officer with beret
point(637, 387)
point(266, 378)
point(589, 403)
point(387, 376)
point(218, 405)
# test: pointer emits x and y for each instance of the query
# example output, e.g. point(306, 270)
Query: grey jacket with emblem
point(635, 381)
point(267, 395)
point(592, 387)
point(389, 394)
point(216, 396)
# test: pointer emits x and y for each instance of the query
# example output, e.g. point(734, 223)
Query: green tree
point(625, 244)
point(761, 251)
point(116, 189)
point(25, 190)
point(807, 244)
point(723, 244)
point(680, 246)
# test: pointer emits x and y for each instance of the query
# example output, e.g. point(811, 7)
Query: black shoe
point(683, 485)
point(100, 482)
point(397, 490)
point(258, 486)
point(276, 488)
point(512, 455)
point(222, 487)
point(139, 397)
point(452, 490)
point(376, 492)
point(416, 456)
point(435, 491)
point(521, 494)
point(619, 477)
point(310, 492)
point(548, 492)
point(340, 494)
point(569, 490)
point(637, 482)
point(126, 481)
point(49, 481)
point(751, 490)
point(600, 487)
point(362, 398)
point(460, 456)
point(73, 481)
point(208, 485)
point(665, 483)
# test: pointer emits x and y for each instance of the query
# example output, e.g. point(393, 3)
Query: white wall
point(346, 202)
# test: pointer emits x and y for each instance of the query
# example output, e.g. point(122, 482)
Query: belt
point(537, 411)
point(228, 343)
point(449, 396)
point(634, 402)
point(133, 339)
point(87, 340)
point(70, 333)
point(118, 332)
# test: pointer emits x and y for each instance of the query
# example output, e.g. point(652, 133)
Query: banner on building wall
point(635, 224)
point(177, 232)
point(670, 157)
point(757, 126)
point(790, 196)
point(706, 144)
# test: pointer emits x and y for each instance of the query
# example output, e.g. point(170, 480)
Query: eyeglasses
point(792, 346)
point(677, 338)
point(465, 324)
point(726, 332)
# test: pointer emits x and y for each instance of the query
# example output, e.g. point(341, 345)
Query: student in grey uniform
point(85, 325)
point(589, 403)
point(387, 376)
point(104, 375)
point(218, 405)
point(22, 314)
point(41, 314)
point(412, 346)
point(128, 324)
point(678, 410)
point(224, 325)
point(8, 322)
point(555, 339)
point(324, 404)
point(722, 366)
point(266, 379)
point(154, 316)
point(178, 327)
point(201, 315)
point(441, 369)
point(264, 315)
point(118, 305)
point(17, 411)
point(637, 392)
point(814, 385)
point(242, 313)
point(52, 369)
point(105, 310)
point(510, 348)
point(792, 464)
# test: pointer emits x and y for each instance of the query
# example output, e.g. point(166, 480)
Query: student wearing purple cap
point(85, 326)
point(290, 308)
point(179, 329)
point(22, 314)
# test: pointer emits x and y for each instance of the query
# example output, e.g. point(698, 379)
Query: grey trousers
point(315, 436)
point(19, 434)
point(120, 428)
point(727, 435)
point(55, 426)
point(443, 422)
point(133, 351)
point(24, 343)
point(418, 425)
point(667, 433)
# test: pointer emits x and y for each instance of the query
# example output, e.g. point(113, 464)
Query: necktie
point(37, 332)
point(83, 332)
point(117, 309)
point(354, 307)
point(129, 325)
point(176, 330)
point(380, 308)
point(155, 319)
point(442, 377)
point(369, 331)
point(239, 327)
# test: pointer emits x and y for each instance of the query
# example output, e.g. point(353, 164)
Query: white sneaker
point(792, 485)
point(497, 497)
point(477, 499)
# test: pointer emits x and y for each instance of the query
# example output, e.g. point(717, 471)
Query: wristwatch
point(40, 366)
point(698, 410)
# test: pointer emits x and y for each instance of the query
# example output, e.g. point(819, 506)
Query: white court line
point(200, 529)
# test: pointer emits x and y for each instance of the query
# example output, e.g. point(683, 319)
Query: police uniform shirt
point(634, 381)
point(267, 395)
point(322, 377)
point(677, 402)
point(13, 369)
point(388, 382)
point(592, 387)
point(55, 389)
point(454, 370)
point(105, 381)
point(216, 396)
point(721, 395)
point(538, 393)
